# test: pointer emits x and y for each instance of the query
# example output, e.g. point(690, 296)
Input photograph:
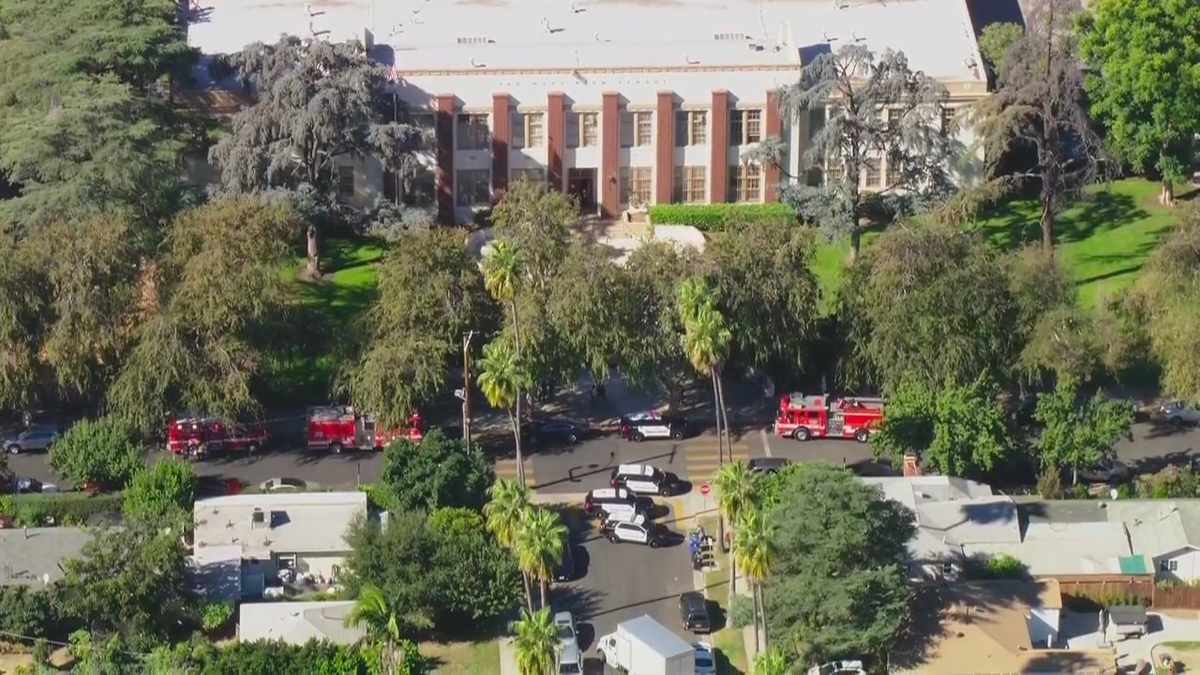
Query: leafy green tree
point(855, 136)
point(84, 126)
point(651, 347)
point(209, 313)
point(754, 552)
point(957, 430)
point(166, 489)
point(475, 581)
point(435, 472)
point(26, 611)
point(319, 105)
point(1039, 103)
point(587, 302)
point(1079, 433)
point(1143, 84)
point(502, 376)
point(928, 302)
point(430, 293)
point(1166, 300)
point(385, 625)
point(994, 43)
point(100, 450)
point(764, 285)
point(535, 642)
point(837, 584)
point(507, 504)
point(539, 541)
point(264, 657)
point(735, 498)
point(92, 656)
point(215, 615)
point(536, 221)
point(132, 582)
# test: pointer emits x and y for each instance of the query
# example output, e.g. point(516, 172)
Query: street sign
point(705, 489)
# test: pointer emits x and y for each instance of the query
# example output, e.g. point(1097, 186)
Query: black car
point(642, 428)
point(566, 568)
point(767, 464)
point(693, 608)
point(554, 431)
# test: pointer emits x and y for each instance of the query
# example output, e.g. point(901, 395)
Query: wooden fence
point(1130, 592)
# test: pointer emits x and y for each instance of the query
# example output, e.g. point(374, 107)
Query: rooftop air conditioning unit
point(731, 37)
point(257, 518)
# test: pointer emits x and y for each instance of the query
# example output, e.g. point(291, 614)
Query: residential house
point(33, 556)
point(297, 622)
point(262, 535)
point(995, 628)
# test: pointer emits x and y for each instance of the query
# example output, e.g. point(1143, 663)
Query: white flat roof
point(487, 35)
point(303, 522)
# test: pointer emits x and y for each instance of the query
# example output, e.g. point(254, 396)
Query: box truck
point(643, 646)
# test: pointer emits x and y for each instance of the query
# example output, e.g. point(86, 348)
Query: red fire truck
point(338, 427)
point(804, 417)
point(189, 434)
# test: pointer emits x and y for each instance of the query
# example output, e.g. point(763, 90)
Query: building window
point(870, 173)
point(893, 120)
point(894, 176)
point(420, 190)
point(1168, 566)
point(627, 127)
point(834, 170)
point(472, 132)
point(635, 185)
point(745, 127)
point(582, 130)
point(532, 175)
point(645, 128)
point(426, 123)
point(526, 130)
point(949, 123)
point(745, 183)
point(473, 187)
point(691, 127)
point(689, 184)
point(345, 176)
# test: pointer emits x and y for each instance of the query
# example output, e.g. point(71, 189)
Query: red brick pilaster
point(610, 157)
point(556, 134)
point(664, 151)
point(501, 136)
point(719, 146)
point(772, 176)
point(445, 158)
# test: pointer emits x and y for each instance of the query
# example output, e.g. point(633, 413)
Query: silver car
point(31, 440)
point(1179, 413)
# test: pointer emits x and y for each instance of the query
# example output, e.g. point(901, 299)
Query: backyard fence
point(1130, 592)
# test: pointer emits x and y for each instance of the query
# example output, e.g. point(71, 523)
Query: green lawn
point(463, 658)
point(1104, 239)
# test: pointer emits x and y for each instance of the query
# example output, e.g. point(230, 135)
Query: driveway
point(1082, 631)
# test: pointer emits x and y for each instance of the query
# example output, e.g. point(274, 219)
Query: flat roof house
point(33, 556)
point(297, 622)
point(267, 533)
point(597, 97)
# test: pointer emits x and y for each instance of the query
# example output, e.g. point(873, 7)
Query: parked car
point(565, 571)
point(286, 485)
point(1106, 472)
point(636, 517)
point(636, 533)
point(644, 479)
point(693, 609)
point(1179, 413)
point(569, 661)
point(564, 626)
point(638, 428)
point(550, 431)
point(608, 502)
point(30, 440)
point(706, 661)
point(767, 464)
point(26, 485)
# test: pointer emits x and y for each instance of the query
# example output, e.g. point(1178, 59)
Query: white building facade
point(618, 102)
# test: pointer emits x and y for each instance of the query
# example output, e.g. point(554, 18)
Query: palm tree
point(384, 623)
point(754, 551)
point(770, 662)
point(735, 496)
point(502, 375)
point(535, 641)
point(706, 342)
point(507, 508)
point(539, 546)
point(503, 276)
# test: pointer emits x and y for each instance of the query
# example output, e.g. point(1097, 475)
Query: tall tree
point(1167, 296)
point(1143, 82)
point(84, 124)
point(1076, 433)
point(502, 377)
point(535, 641)
point(706, 339)
point(101, 451)
point(539, 541)
point(651, 347)
point(754, 552)
point(536, 221)
point(1040, 104)
point(210, 312)
point(319, 105)
point(838, 582)
point(588, 302)
point(435, 472)
point(385, 624)
point(430, 293)
point(508, 507)
point(735, 498)
point(994, 43)
point(876, 109)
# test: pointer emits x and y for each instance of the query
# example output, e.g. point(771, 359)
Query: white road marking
point(766, 443)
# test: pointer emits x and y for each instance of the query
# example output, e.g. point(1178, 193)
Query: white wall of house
point(1181, 566)
point(1043, 625)
point(320, 564)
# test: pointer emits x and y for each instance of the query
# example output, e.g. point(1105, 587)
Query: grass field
point(463, 658)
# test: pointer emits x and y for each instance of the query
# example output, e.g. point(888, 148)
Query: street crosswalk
point(702, 461)
point(507, 469)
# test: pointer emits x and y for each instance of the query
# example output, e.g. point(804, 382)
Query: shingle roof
point(31, 556)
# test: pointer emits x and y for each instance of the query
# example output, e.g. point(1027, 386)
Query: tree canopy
point(1166, 299)
point(1079, 433)
point(101, 451)
point(435, 472)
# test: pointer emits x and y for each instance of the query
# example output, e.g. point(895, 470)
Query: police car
point(641, 426)
point(645, 532)
point(607, 503)
point(643, 479)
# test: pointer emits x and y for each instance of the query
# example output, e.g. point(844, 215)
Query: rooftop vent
point(472, 40)
point(257, 518)
point(731, 37)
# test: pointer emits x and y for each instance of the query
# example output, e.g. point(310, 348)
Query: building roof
point(488, 35)
point(217, 571)
point(911, 490)
point(1064, 549)
point(297, 622)
point(1155, 526)
point(31, 556)
point(301, 522)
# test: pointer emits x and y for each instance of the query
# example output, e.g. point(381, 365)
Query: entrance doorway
point(581, 184)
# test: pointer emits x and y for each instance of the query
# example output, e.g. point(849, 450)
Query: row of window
point(871, 176)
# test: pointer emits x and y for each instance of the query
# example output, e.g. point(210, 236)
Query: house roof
point(1157, 527)
point(1064, 548)
point(218, 571)
point(301, 522)
point(913, 490)
point(297, 622)
point(31, 556)
point(951, 512)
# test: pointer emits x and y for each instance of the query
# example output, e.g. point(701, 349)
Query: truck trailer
point(643, 646)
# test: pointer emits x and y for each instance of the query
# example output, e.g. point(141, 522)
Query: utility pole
point(466, 396)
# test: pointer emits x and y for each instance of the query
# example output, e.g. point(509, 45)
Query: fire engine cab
point(338, 427)
point(804, 417)
point(189, 433)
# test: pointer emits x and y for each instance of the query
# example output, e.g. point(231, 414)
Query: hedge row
point(716, 217)
point(67, 508)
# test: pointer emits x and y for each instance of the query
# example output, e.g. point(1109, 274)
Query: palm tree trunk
point(545, 593)
point(517, 422)
point(724, 424)
point(758, 647)
point(528, 591)
point(717, 415)
point(724, 413)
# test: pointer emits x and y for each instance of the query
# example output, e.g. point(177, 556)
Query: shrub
point(1170, 483)
point(1049, 484)
point(67, 508)
point(26, 612)
point(7, 506)
point(741, 612)
point(100, 450)
point(164, 488)
point(717, 217)
point(215, 615)
point(999, 567)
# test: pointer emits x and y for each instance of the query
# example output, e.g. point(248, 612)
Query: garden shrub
point(717, 217)
point(66, 509)
point(998, 567)
point(741, 612)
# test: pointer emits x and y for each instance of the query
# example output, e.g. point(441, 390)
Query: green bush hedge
point(67, 508)
point(716, 217)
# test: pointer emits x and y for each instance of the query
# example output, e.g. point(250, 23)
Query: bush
point(741, 612)
point(26, 612)
point(1170, 483)
point(215, 615)
point(433, 473)
point(717, 217)
point(167, 487)
point(1049, 483)
point(67, 508)
point(999, 567)
point(100, 450)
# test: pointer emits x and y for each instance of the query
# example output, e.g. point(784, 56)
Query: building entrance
point(581, 184)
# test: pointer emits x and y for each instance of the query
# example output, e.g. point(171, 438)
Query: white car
point(635, 533)
point(1180, 413)
point(706, 660)
point(643, 479)
point(564, 627)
